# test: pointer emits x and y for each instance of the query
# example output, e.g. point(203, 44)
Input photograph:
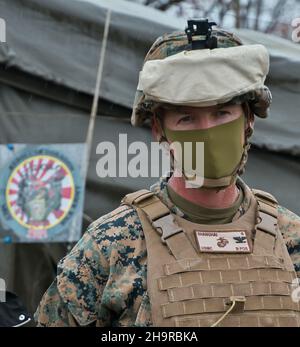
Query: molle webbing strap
point(287, 319)
point(163, 222)
point(186, 279)
point(200, 291)
point(214, 305)
point(235, 262)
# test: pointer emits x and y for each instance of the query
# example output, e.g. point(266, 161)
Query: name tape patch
point(223, 242)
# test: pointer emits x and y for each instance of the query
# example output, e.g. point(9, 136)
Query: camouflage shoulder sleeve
point(289, 225)
point(77, 297)
point(53, 311)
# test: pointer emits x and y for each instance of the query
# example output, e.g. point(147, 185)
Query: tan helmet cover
point(258, 99)
point(205, 77)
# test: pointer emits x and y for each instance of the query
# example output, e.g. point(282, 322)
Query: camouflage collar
point(160, 189)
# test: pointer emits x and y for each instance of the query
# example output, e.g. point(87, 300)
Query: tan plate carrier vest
point(192, 289)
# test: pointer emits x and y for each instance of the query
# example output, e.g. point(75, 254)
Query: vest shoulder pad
point(267, 202)
point(136, 197)
point(265, 196)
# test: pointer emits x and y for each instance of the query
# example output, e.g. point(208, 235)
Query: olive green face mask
point(223, 152)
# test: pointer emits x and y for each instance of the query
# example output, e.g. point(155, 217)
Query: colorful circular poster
point(40, 193)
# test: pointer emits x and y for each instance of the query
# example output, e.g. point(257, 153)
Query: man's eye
point(223, 113)
point(185, 119)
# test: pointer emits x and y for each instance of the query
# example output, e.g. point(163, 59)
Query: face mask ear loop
point(241, 167)
point(248, 133)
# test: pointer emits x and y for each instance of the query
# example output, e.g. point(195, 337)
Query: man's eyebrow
point(178, 110)
point(226, 105)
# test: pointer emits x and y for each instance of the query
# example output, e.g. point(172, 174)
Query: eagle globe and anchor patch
point(39, 191)
point(222, 241)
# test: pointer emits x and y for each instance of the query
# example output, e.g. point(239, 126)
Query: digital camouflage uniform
point(103, 280)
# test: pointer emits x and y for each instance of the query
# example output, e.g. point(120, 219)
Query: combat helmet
point(200, 34)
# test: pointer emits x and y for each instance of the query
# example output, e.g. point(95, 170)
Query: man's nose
point(205, 120)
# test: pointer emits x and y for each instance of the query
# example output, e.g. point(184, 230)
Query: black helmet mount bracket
point(199, 33)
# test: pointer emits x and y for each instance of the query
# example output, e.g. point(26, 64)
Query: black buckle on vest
point(166, 227)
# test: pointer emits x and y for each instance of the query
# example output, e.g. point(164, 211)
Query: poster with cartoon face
point(41, 192)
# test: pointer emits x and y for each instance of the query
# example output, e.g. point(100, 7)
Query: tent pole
point(93, 114)
point(90, 132)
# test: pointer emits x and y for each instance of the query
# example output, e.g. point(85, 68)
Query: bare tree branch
point(253, 14)
point(211, 8)
point(259, 4)
point(166, 5)
point(277, 11)
point(245, 14)
point(237, 9)
point(224, 8)
point(149, 2)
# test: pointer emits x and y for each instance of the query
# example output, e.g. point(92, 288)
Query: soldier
point(194, 250)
